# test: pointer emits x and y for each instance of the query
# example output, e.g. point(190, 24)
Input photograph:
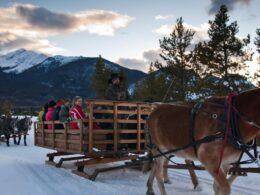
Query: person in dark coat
point(43, 116)
point(115, 91)
point(64, 115)
point(45, 110)
point(56, 116)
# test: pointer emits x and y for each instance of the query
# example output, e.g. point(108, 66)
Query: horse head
point(24, 124)
point(28, 122)
point(248, 106)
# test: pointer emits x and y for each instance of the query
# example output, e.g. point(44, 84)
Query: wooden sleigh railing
point(121, 136)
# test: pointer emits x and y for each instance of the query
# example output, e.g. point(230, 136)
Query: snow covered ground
point(23, 172)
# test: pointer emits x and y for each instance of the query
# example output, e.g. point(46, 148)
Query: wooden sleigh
point(120, 138)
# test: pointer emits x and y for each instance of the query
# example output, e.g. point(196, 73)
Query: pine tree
point(228, 52)
point(178, 60)
point(257, 40)
point(257, 43)
point(224, 55)
point(100, 78)
point(6, 107)
point(123, 78)
point(151, 89)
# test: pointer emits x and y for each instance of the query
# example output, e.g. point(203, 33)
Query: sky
point(123, 31)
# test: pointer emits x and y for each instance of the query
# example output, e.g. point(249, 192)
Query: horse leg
point(232, 177)
point(193, 175)
point(159, 174)
point(221, 185)
point(24, 139)
point(19, 138)
point(165, 172)
point(14, 137)
point(150, 181)
point(7, 137)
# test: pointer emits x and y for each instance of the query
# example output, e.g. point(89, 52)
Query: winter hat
point(59, 103)
point(52, 103)
point(113, 76)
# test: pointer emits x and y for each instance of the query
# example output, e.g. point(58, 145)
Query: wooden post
point(65, 137)
point(34, 125)
point(115, 127)
point(138, 127)
point(90, 128)
point(81, 135)
point(43, 138)
point(53, 135)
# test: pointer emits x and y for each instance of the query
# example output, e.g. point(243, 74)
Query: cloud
point(215, 4)
point(10, 42)
point(33, 20)
point(161, 17)
point(142, 63)
point(31, 25)
point(200, 35)
point(133, 63)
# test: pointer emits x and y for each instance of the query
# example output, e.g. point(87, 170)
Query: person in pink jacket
point(49, 114)
point(76, 112)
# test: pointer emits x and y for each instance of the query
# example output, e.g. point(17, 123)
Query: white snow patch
point(21, 60)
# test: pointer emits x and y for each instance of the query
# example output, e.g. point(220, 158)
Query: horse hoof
point(150, 193)
point(198, 188)
point(168, 181)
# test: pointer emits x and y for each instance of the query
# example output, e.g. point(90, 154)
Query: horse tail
point(149, 145)
point(148, 164)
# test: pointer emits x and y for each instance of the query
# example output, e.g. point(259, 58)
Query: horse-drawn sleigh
point(12, 127)
point(216, 132)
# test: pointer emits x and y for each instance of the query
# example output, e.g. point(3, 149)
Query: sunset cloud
point(10, 42)
point(163, 17)
point(200, 35)
point(215, 4)
point(143, 62)
point(31, 24)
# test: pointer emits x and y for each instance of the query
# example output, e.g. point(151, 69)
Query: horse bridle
point(232, 133)
point(243, 118)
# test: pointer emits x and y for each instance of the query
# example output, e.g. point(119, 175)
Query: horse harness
point(230, 133)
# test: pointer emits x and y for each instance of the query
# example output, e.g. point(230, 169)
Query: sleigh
point(121, 136)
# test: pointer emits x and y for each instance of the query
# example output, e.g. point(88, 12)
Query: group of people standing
point(67, 111)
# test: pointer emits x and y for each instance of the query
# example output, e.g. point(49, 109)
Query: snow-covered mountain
point(20, 60)
point(56, 61)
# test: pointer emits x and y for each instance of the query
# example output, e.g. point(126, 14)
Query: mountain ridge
point(55, 79)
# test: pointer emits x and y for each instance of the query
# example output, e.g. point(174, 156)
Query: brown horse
point(169, 129)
